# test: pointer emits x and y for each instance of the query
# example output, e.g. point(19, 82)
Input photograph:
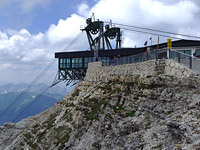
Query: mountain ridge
point(150, 105)
point(127, 112)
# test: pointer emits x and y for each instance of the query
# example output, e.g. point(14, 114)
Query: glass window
point(63, 64)
point(185, 53)
point(90, 59)
point(188, 52)
point(73, 62)
point(163, 55)
point(197, 52)
point(80, 63)
point(76, 62)
point(68, 62)
point(130, 59)
point(174, 54)
point(86, 62)
point(136, 58)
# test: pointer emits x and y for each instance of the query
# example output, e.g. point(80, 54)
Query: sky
point(31, 31)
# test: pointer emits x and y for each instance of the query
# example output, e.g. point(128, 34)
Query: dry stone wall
point(96, 72)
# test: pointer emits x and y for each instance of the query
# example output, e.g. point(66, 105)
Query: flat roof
point(124, 51)
point(101, 53)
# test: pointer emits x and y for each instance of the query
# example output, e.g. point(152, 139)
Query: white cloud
point(83, 9)
point(65, 28)
point(25, 5)
point(156, 14)
point(21, 52)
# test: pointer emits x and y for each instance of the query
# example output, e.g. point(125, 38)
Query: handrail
point(190, 61)
point(130, 59)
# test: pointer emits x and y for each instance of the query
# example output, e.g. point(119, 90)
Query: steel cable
point(46, 68)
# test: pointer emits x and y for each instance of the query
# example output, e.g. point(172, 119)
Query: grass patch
point(130, 114)
point(51, 121)
point(63, 134)
point(148, 121)
point(117, 90)
point(170, 112)
point(30, 141)
point(67, 116)
point(41, 136)
point(147, 117)
point(155, 135)
point(96, 145)
point(119, 108)
point(107, 87)
point(75, 93)
point(95, 106)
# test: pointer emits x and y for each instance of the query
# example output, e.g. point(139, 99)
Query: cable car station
point(72, 66)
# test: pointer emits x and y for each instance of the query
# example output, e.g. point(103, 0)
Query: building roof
point(101, 53)
point(124, 51)
point(179, 43)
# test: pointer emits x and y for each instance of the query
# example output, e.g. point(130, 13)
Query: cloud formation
point(20, 50)
point(176, 16)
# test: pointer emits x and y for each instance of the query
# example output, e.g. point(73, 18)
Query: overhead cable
point(156, 30)
point(28, 87)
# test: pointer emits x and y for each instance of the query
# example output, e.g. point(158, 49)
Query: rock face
point(125, 113)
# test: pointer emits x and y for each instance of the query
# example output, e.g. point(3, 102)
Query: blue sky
point(38, 18)
point(31, 31)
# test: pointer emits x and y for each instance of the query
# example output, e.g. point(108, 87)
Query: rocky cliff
point(124, 112)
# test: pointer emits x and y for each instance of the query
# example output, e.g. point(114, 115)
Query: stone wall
point(176, 69)
point(96, 72)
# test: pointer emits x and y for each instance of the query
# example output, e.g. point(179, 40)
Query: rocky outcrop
point(125, 112)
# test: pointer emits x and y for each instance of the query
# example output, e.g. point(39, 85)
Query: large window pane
point(86, 62)
point(80, 63)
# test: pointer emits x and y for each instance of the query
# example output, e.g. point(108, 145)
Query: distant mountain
point(37, 89)
point(14, 99)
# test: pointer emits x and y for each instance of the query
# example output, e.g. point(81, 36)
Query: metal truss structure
point(72, 76)
point(98, 39)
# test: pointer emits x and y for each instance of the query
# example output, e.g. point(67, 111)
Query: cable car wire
point(155, 30)
point(46, 68)
point(145, 32)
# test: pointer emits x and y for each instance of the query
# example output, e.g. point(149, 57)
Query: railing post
point(191, 62)
point(179, 57)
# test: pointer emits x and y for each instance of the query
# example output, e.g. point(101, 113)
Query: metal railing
point(129, 59)
point(189, 61)
point(186, 59)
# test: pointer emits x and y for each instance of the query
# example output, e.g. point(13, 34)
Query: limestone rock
point(125, 112)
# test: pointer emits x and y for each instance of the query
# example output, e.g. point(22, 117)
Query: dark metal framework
point(110, 34)
point(73, 65)
point(69, 76)
point(96, 29)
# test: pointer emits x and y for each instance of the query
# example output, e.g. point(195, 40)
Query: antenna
point(110, 23)
point(93, 16)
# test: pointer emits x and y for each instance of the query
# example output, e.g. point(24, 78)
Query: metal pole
point(157, 49)
point(191, 62)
